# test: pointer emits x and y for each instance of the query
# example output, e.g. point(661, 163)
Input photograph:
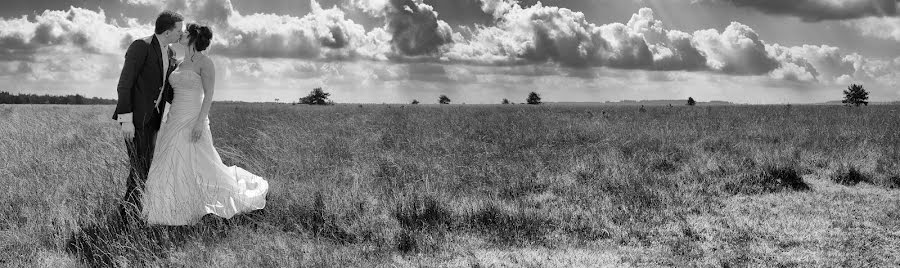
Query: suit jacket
point(141, 81)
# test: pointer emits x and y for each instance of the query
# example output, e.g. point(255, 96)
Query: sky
point(476, 51)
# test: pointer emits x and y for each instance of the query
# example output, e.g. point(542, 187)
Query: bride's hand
point(197, 131)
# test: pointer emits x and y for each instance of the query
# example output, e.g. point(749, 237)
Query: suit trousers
point(140, 156)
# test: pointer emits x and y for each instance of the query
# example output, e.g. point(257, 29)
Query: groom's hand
point(128, 131)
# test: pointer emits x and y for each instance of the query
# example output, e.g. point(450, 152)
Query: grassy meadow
point(479, 186)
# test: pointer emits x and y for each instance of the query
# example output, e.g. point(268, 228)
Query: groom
point(143, 91)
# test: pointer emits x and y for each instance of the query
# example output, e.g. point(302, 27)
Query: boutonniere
point(173, 61)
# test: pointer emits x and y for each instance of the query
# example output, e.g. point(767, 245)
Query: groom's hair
point(166, 21)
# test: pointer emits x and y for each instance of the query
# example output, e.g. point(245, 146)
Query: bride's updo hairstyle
point(199, 36)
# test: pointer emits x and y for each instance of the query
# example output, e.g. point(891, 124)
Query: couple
point(176, 175)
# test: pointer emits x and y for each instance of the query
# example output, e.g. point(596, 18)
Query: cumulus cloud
point(416, 29)
point(144, 2)
point(737, 49)
point(203, 11)
point(887, 28)
point(817, 10)
point(672, 49)
point(413, 32)
point(63, 45)
point(551, 34)
point(414, 26)
point(321, 34)
point(76, 27)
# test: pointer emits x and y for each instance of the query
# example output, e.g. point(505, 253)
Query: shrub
point(855, 95)
point(770, 179)
point(317, 97)
point(511, 227)
point(443, 99)
point(776, 179)
point(533, 99)
point(850, 176)
point(893, 182)
point(423, 213)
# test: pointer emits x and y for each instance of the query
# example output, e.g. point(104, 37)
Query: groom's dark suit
point(139, 87)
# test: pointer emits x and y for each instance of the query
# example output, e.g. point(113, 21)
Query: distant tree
point(415, 101)
point(317, 97)
point(443, 99)
point(505, 101)
point(533, 98)
point(277, 99)
point(691, 101)
point(856, 95)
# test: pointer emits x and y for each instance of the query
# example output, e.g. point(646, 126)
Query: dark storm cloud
point(818, 10)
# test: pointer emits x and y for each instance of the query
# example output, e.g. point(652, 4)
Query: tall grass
point(477, 185)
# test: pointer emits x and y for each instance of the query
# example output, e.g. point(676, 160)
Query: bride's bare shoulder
point(206, 63)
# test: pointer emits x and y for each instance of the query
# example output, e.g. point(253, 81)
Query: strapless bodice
point(188, 97)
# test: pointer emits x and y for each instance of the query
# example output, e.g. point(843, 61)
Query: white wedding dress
point(188, 180)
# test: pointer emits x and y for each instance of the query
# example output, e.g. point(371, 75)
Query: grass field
point(479, 186)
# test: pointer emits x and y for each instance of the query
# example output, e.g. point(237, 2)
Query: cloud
point(818, 10)
point(321, 34)
point(414, 27)
point(144, 2)
point(736, 50)
point(63, 46)
point(203, 11)
point(540, 34)
point(672, 49)
point(278, 49)
point(79, 28)
point(882, 28)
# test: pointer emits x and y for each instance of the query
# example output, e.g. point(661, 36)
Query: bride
point(187, 179)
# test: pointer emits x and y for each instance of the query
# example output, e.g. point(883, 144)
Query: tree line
point(9, 98)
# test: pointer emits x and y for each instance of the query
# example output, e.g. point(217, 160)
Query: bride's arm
point(208, 79)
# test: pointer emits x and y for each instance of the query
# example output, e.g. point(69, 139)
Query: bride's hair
point(199, 35)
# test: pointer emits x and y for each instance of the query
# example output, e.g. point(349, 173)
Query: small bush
point(850, 176)
point(317, 97)
point(893, 182)
point(407, 242)
point(856, 95)
point(423, 213)
point(786, 178)
point(511, 227)
point(443, 99)
point(316, 220)
point(770, 179)
point(533, 98)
